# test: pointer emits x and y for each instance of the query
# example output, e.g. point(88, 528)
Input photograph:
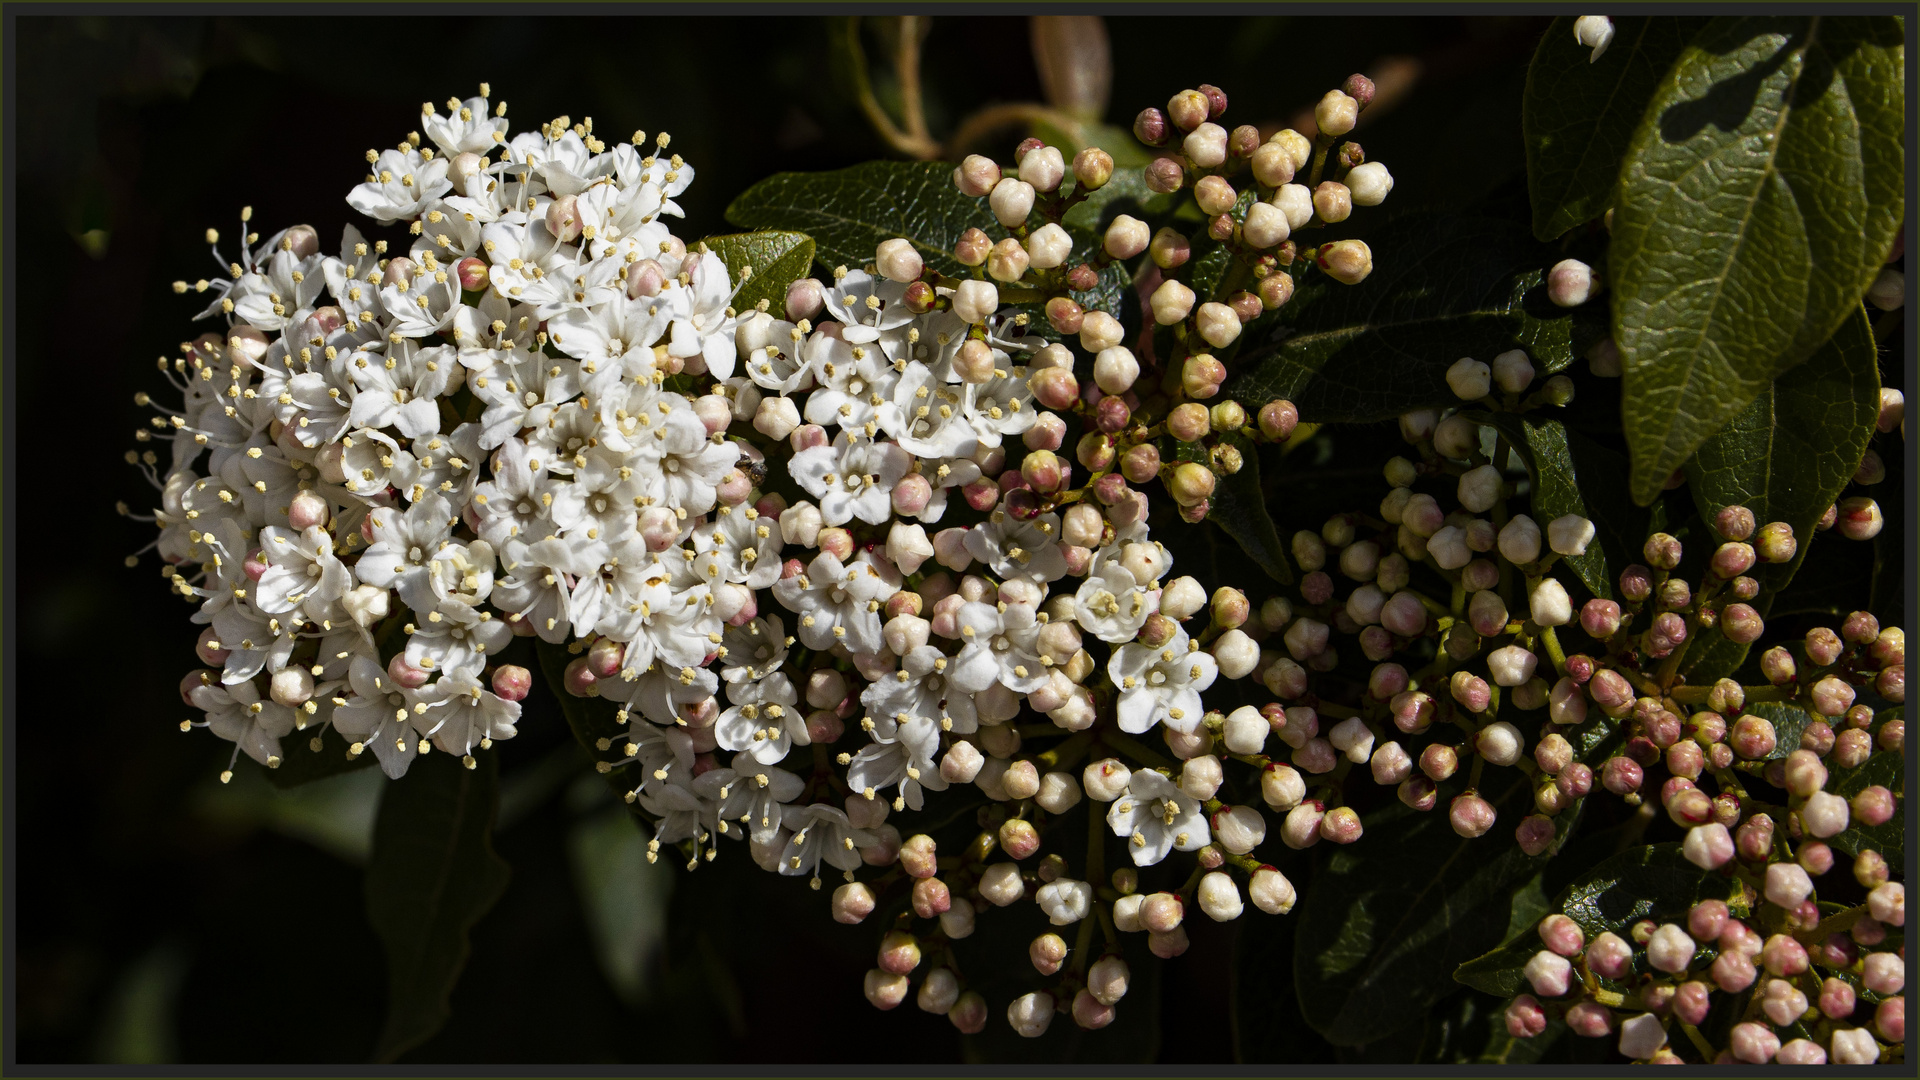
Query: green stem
point(1134, 748)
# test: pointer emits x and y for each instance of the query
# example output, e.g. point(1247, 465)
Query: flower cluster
point(828, 554)
point(411, 458)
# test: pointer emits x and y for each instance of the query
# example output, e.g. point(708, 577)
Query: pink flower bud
point(1525, 1018)
point(1732, 972)
point(1470, 815)
point(1753, 1043)
point(1590, 1020)
point(976, 175)
point(1151, 127)
point(852, 903)
point(510, 681)
point(1775, 543)
point(1165, 175)
point(1018, 838)
point(1346, 261)
point(1890, 1019)
point(969, 1013)
point(1535, 835)
point(1860, 518)
point(412, 678)
point(885, 989)
point(931, 898)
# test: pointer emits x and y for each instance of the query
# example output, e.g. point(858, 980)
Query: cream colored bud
point(1048, 246)
point(1266, 226)
point(974, 301)
point(1171, 302)
point(1296, 201)
point(1370, 183)
point(1011, 201)
point(1336, 113)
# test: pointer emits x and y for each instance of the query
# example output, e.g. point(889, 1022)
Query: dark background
point(160, 917)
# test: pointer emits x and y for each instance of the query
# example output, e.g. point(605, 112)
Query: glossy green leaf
point(1642, 883)
point(848, 212)
point(775, 259)
point(624, 896)
point(1579, 114)
point(1388, 919)
point(301, 763)
point(1757, 200)
point(1125, 192)
point(1240, 509)
point(1442, 287)
point(432, 877)
point(1787, 456)
point(1886, 770)
point(1572, 474)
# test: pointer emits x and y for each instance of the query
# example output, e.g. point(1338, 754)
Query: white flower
point(302, 573)
point(378, 716)
point(614, 342)
point(691, 463)
point(752, 794)
point(1001, 406)
point(1019, 549)
point(236, 713)
point(856, 380)
point(466, 129)
point(999, 645)
point(906, 757)
point(821, 832)
point(458, 713)
point(837, 604)
point(400, 186)
point(705, 329)
point(404, 542)
point(401, 389)
point(763, 721)
point(660, 693)
point(851, 479)
point(927, 416)
point(1111, 605)
point(921, 688)
point(738, 547)
point(1157, 817)
point(1161, 685)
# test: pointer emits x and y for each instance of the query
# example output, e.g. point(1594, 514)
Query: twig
point(918, 146)
point(906, 65)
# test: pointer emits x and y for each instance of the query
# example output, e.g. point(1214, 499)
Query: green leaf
point(1789, 723)
point(1650, 882)
point(1442, 287)
point(1572, 474)
point(1758, 199)
point(848, 212)
point(1125, 192)
point(1388, 919)
point(1579, 115)
point(301, 764)
point(775, 259)
point(1240, 509)
point(433, 876)
point(624, 895)
point(1787, 456)
point(1884, 768)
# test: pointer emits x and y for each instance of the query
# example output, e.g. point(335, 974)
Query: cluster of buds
point(1257, 223)
point(1810, 989)
point(828, 560)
